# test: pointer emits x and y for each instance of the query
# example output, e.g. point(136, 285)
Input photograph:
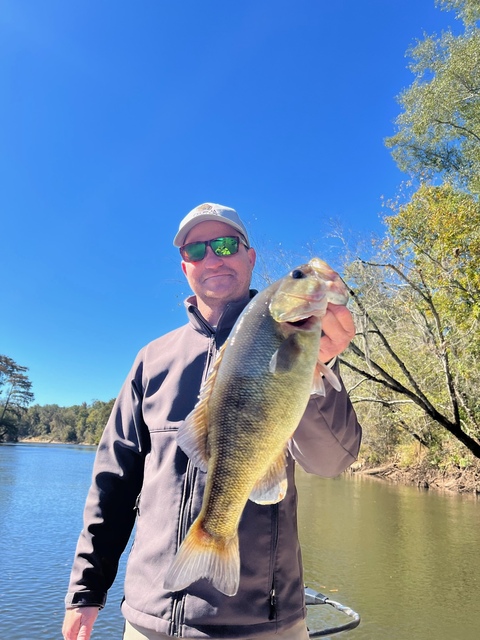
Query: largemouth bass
point(248, 409)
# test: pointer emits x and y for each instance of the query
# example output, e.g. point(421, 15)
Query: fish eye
point(298, 273)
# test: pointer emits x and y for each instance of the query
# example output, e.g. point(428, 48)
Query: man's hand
point(78, 623)
point(338, 329)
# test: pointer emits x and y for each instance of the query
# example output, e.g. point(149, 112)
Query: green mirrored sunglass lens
point(225, 246)
point(196, 251)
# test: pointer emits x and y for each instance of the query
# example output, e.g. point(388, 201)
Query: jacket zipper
point(273, 596)
point(178, 608)
point(210, 357)
point(187, 496)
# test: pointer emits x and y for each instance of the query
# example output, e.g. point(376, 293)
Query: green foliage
point(15, 396)
point(414, 361)
point(78, 424)
point(438, 233)
point(438, 131)
point(467, 10)
point(417, 300)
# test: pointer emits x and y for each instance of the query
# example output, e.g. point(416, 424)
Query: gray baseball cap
point(209, 211)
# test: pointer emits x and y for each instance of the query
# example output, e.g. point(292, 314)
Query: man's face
point(218, 278)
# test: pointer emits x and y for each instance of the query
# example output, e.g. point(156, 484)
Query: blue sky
point(118, 117)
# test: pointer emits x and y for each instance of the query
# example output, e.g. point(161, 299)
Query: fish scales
point(248, 425)
point(248, 409)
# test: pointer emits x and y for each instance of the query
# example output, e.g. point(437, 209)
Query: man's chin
point(218, 285)
point(218, 294)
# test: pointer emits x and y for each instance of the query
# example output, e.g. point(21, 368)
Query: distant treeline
point(79, 424)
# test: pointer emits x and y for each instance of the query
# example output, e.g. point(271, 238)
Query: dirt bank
point(455, 480)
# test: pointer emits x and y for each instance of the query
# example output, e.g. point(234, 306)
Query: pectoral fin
point(285, 356)
point(322, 371)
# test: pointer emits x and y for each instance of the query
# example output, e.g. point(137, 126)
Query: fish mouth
point(304, 323)
point(314, 297)
point(300, 323)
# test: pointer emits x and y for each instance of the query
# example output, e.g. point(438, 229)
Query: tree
point(15, 396)
point(97, 419)
point(417, 306)
point(76, 424)
point(438, 132)
point(467, 10)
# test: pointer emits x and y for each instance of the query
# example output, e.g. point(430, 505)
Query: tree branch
point(457, 126)
point(395, 357)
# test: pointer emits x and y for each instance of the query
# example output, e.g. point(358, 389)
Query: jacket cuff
point(86, 599)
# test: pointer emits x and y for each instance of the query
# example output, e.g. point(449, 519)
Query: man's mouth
point(217, 275)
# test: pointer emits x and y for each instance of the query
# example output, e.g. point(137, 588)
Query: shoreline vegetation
point(425, 476)
point(422, 475)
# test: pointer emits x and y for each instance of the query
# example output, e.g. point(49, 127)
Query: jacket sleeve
point(327, 440)
point(109, 513)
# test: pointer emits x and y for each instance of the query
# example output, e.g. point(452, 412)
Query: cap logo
point(203, 208)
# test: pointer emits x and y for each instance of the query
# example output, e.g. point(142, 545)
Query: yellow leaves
point(441, 226)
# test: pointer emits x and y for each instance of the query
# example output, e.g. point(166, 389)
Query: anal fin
point(272, 487)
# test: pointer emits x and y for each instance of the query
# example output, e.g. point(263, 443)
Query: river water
point(407, 560)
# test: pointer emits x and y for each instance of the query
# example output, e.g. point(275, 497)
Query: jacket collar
point(226, 322)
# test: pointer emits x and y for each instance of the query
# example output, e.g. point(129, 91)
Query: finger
point(338, 318)
point(338, 331)
point(87, 621)
point(78, 623)
point(85, 631)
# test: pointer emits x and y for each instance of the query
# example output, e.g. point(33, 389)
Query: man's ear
point(252, 255)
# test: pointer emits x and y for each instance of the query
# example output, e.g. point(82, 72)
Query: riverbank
point(40, 440)
point(424, 476)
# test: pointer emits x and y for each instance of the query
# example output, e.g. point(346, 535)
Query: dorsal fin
point(192, 436)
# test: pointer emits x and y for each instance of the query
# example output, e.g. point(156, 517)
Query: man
point(141, 475)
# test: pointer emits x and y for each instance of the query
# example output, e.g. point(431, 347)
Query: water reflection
point(400, 556)
point(407, 560)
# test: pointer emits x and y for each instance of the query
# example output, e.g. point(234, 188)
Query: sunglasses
point(196, 251)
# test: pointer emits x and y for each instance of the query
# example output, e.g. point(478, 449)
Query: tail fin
point(202, 555)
